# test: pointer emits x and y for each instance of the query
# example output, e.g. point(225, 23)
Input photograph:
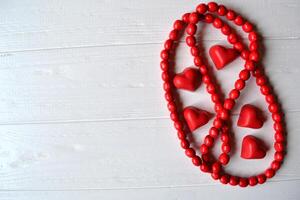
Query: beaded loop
point(208, 13)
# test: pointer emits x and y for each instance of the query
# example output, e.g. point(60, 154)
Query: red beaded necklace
point(221, 124)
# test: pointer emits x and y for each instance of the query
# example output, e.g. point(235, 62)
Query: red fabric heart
point(195, 117)
point(189, 79)
point(252, 148)
point(222, 56)
point(250, 117)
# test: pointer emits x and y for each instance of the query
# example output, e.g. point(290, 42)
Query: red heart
point(189, 79)
point(250, 117)
point(222, 56)
point(195, 117)
point(252, 148)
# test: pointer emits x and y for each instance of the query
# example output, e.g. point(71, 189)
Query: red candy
point(222, 56)
point(195, 117)
point(250, 117)
point(189, 79)
point(252, 148)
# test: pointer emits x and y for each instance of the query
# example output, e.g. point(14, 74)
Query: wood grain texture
point(82, 114)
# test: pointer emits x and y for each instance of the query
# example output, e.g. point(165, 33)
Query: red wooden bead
point(208, 140)
point(201, 8)
point(212, 6)
point(206, 79)
point(185, 17)
point(218, 107)
point(218, 123)
point(216, 167)
point(218, 23)
point(203, 69)
point(245, 54)
point(249, 65)
point(190, 41)
point(239, 84)
point(198, 61)
point(253, 36)
point(239, 20)
point(195, 51)
point(234, 180)
point(273, 108)
point(234, 94)
point(278, 156)
point(277, 117)
point(178, 25)
point(215, 176)
point(247, 27)
point(226, 30)
point(226, 148)
point(222, 10)
point(204, 167)
point(232, 38)
point(204, 149)
point(191, 29)
point(167, 86)
point(164, 54)
point(213, 132)
point(228, 104)
point(270, 98)
point(208, 18)
point(224, 159)
point(253, 46)
point(243, 182)
point(231, 15)
point(206, 157)
point(269, 173)
point(244, 75)
point(178, 125)
point(254, 55)
point(279, 146)
point(253, 181)
point(210, 88)
point(278, 126)
point(190, 152)
point(196, 160)
point(174, 35)
point(168, 44)
point(265, 89)
point(261, 80)
point(224, 114)
point(181, 135)
point(279, 137)
point(224, 179)
point(225, 137)
point(194, 18)
point(238, 46)
point(171, 106)
point(164, 65)
point(275, 165)
point(261, 178)
point(184, 144)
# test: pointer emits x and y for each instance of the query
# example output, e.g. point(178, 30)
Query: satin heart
point(195, 117)
point(222, 56)
point(189, 79)
point(250, 117)
point(252, 148)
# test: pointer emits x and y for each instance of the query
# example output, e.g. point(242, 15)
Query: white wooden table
point(82, 114)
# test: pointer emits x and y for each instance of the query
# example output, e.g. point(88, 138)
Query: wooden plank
point(117, 82)
point(275, 190)
point(120, 154)
point(30, 25)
